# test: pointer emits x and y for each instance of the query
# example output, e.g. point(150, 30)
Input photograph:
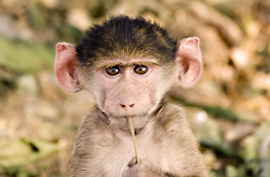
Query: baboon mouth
point(115, 116)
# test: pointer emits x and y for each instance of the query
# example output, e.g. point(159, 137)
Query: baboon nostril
point(122, 105)
point(131, 105)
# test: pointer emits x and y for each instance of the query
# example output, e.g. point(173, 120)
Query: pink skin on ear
point(65, 65)
point(189, 62)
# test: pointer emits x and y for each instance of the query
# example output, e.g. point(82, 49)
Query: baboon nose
point(127, 105)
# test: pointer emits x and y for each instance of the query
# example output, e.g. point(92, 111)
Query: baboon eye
point(140, 69)
point(113, 71)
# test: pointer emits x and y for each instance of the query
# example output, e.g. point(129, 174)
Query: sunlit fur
point(166, 146)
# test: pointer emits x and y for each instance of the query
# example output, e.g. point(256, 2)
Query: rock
point(240, 59)
point(27, 84)
point(50, 3)
point(79, 17)
point(239, 131)
point(8, 27)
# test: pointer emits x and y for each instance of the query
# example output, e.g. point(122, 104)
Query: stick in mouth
point(131, 129)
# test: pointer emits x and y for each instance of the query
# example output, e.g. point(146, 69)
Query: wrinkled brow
point(120, 63)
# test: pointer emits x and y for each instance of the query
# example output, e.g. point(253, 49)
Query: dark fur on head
point(124, 37)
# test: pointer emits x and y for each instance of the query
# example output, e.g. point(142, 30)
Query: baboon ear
point(188, 62)
point(65, 66)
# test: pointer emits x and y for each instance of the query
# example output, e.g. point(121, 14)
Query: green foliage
point(25, 57)
point(24, 151)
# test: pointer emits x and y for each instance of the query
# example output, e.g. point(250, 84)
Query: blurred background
point(229, 109)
